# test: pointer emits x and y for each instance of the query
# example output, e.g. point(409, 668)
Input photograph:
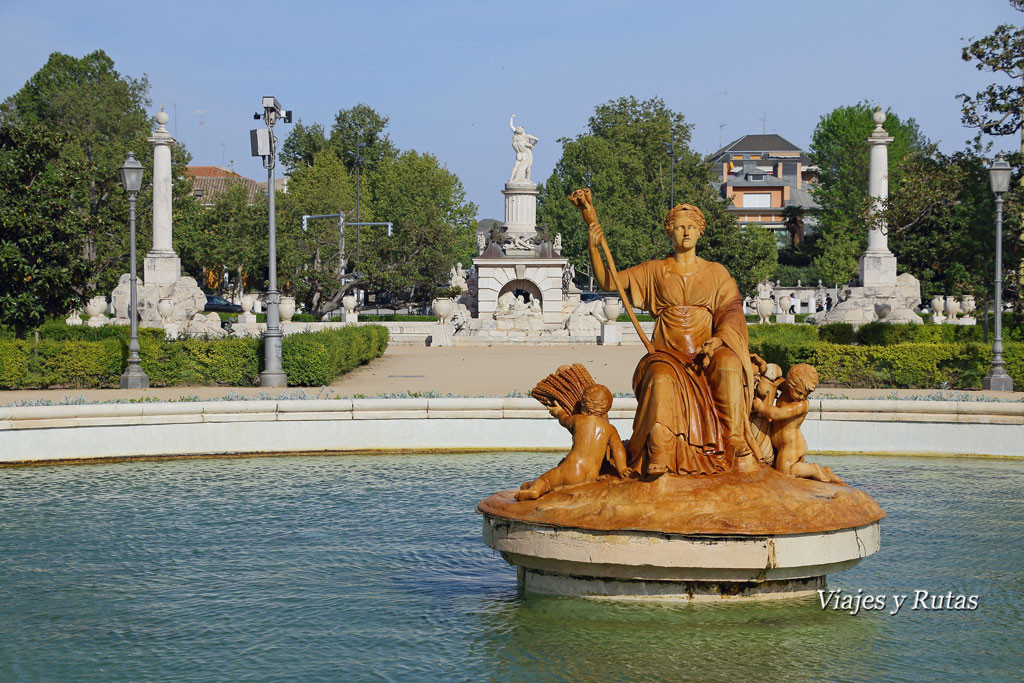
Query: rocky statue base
point(183, 304)
point(732, 536)
point(857, 304)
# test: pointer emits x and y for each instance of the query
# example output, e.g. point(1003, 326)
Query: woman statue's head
point(678, 224)
point(688, 210)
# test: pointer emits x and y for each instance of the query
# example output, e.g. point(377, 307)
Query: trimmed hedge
point(906, 366)
point(310, 359)
point(316, 358)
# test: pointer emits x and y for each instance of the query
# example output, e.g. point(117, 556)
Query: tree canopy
point(997, 109)
point(434, 225)
point(103, 115)
point(622, 158)
point(41, 265)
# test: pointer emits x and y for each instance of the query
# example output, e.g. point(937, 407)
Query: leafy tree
point(302, 145)
point(41, 267)
point(308, 260)
point(434, 227)
point(433, 223)
point(622, 158)
point(940, 221)
point(103, 114)
point(839, 149)
point(999, 110)
point(228, 237)
point(365, 124)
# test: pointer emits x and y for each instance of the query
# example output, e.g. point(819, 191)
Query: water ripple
point(372, 568)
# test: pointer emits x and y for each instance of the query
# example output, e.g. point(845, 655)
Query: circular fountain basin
point(730, 537)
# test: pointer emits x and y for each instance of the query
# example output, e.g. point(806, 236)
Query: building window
point(757, 200)
point(755, 176)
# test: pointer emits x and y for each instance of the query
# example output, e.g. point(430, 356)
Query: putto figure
point(594, 440)
point(786, 415)
point(522, 143)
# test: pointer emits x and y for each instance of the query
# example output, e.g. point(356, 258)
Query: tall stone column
point(878, 265)
point(161, 265)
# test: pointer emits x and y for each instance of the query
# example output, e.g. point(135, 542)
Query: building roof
point(759, 143)
point(210, 181)
point(211, 172)
point(802, 198)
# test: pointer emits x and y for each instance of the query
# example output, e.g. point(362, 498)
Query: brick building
point(764, 175)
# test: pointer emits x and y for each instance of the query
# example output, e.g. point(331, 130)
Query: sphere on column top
point(162, 118)
point(878, 117)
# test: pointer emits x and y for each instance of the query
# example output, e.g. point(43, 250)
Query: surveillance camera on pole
point(264, 144)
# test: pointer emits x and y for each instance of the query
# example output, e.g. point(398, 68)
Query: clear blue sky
point(449, 73)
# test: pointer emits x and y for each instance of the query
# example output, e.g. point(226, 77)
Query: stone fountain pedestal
point(732, 536)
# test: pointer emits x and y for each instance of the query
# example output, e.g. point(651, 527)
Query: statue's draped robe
point(688, 310)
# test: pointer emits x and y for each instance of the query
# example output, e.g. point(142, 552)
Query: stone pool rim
point(154, 430)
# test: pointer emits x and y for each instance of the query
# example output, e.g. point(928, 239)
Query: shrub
point(945, 365)
point(836, 333)
point(79, 364)
point(310, 359)
point(316, 358)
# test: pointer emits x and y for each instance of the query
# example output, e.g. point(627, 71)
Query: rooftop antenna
point(720, 127)
point(764, 122)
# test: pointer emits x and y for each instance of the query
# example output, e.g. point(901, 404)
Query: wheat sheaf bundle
point(564, 387)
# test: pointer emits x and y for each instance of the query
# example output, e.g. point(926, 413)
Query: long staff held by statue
point(583, 201)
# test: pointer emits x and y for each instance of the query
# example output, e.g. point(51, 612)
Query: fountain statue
point(522, 143)
point(697, 503)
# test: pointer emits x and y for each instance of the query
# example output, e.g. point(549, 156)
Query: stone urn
point(247, 303)
point(96, 306)
point(286, 309)
point(967, 304)
point(882, 310)
point(165, 307)
point(938, 303)
point(443, 309)
point(349, 303)
point(952, 308)
point(612, 308)
point(765, 308)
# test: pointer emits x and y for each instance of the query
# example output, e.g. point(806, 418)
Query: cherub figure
point(594, 440)
point(787, 415)
point(767, 378)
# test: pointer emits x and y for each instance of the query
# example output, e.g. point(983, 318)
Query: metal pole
point(997, 379)
point(341, 244)
point(273, 375)
point(672, 182)
point(134, 377)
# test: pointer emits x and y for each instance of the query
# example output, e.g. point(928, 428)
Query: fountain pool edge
point(33, 434)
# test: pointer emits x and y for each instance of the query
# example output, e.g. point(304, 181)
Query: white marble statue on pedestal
point(522, 143)
point(457, 279)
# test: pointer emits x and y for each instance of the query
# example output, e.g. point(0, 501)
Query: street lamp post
point(131, 179)
point(997, 378)
point(264, 144)
point(670, 149)
point(359, 159)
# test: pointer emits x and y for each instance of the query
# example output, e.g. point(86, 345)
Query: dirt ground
point(461, 371)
